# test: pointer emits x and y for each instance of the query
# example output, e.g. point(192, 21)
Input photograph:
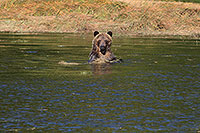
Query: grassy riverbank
point(123, 17)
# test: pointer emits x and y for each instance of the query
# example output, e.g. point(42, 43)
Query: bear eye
point(98, 42)
point(106, 41)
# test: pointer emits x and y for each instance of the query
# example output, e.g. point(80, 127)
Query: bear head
point(102, 42)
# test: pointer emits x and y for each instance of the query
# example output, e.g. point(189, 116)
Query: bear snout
point(103, 49)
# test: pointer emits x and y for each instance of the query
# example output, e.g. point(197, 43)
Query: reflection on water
point(100, 69)
point(156, 88)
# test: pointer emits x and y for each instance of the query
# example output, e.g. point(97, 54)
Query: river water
point(156, 88)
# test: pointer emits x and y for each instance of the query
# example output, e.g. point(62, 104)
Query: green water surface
point(156, 88)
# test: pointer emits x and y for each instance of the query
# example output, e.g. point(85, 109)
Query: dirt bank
point(123, 17)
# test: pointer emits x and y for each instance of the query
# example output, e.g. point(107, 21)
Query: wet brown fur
point(101, 39)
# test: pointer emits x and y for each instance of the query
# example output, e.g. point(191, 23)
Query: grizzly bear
point(101, 49)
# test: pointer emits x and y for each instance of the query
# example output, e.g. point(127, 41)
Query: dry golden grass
point(121, 16)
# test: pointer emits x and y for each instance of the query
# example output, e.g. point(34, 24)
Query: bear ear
point(96, 33)
point(109, 33)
